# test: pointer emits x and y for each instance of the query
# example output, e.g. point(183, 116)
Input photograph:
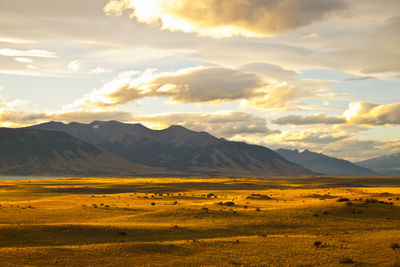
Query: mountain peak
point(177, 127)
point(180, 149)
point(321, 163)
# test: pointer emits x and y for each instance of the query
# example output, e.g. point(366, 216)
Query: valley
point(324, 220)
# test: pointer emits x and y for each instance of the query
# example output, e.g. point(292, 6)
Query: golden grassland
point(204, 221)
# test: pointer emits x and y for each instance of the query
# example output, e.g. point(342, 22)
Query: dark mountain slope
point(180, 149)
point(27, 152)
point(324, 164)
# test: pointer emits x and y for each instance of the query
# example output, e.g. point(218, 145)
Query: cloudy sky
point(316, 74)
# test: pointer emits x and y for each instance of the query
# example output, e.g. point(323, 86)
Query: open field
point(329, 221)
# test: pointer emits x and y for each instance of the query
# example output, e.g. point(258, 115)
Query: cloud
point(27, 53)
point(374, 52)
point(203, 84)
point(358, 113)
point(319, 118)
point(99, 70)
point(227, 18)
point(372, 114)
point(221, 124)
point(23, 60)
point(32, 67)
point(363, 78)
point(310, 36)
point(15, 41)
point(311, 137)
point(75, 65)
point(191, 85)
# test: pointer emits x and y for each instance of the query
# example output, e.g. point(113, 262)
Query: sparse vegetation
point(196, 230)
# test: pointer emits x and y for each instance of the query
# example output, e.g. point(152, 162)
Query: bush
point(258, 196)
point(346, 260)
point(343, 199)
point(317, 244)
point(152, 203)
point(122, 233)
point(229, 203)
point(395, 246)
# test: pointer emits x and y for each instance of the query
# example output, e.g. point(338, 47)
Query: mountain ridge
point(180, 149)
point(35, 152)
point(386, 165)
point(321, 163)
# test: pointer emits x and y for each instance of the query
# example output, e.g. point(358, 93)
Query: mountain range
point(324, 164)
point(112, 148)
point(178, 150)
point(34, 152)
point(386, 165)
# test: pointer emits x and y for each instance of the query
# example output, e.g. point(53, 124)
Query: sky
point(322, 75)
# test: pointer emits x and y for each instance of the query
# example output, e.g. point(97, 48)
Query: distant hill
point(180, 149)
point(34, 152)
point(386, 165)
point(324, 164)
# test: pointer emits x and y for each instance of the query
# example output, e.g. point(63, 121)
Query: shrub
point(152, 203)
point(316, 215)
point(229, 203)
point(258, 209)
point(346, 260)
point(258, 196)
point(317, 244)
point(395, 246)
point(122, 233)
point(343, 199)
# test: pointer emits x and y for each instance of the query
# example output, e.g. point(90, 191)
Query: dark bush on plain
point(317, 244)
point(346, 260)
point(395, 246)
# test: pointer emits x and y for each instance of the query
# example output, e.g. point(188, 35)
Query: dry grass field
point(319, 221)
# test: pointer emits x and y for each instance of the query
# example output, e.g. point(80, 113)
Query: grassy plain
point(206, 222)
